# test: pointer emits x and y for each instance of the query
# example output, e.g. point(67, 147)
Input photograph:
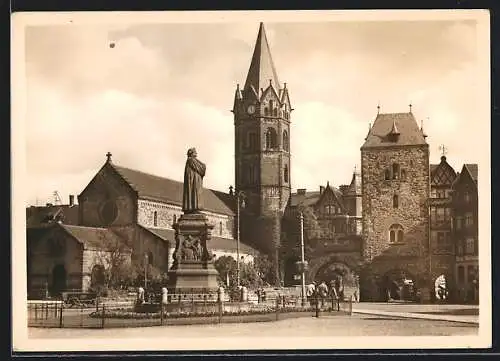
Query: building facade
point(465, 233)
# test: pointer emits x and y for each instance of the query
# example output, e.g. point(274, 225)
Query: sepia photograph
point(251, 180)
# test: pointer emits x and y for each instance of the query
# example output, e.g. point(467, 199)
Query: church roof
point(215, 243)
point(409, 132)
point(170, 191)
point(262, 68)
point(95, 237)
point(40, 216)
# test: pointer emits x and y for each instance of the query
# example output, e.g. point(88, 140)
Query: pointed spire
point(262, 70)
point(422, 127)
point(369, 130)
point(410, 106)
point(237, 98)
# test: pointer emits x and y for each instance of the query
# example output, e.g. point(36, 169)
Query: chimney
point(71, 200)
point(301, 191)
point(321, 189)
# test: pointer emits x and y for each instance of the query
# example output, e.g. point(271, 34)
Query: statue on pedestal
point(193, 270)
point(194, 172)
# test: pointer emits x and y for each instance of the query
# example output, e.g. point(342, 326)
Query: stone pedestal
point(193, 269)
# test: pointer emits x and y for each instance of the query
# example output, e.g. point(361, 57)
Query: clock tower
point(262, 146)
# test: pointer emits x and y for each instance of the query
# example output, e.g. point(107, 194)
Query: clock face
point(251, 109)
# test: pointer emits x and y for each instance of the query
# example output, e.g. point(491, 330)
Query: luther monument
point(193, 270)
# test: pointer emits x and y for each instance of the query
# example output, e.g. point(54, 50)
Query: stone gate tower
point(395, 191)
point(262, 150)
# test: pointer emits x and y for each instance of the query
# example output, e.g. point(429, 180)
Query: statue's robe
point(193, 185)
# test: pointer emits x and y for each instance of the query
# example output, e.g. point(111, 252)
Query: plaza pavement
point(439, 312)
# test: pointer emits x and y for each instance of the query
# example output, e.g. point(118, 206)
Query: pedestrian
point(164, 296)
point(140, 295)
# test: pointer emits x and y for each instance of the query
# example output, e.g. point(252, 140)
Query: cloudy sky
point(165, 87)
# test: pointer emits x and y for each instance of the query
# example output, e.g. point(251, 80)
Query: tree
point(114, 260)
point(226, 266)
point(264, 268)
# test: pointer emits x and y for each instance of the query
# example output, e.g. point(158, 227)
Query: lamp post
point(146, 271)
point(240, 199)
point(303, 263)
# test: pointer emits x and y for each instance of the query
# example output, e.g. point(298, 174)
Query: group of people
point(322, 290)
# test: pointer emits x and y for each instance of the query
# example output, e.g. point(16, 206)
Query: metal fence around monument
point(181, 309)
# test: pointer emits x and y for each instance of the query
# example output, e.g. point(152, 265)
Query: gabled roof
point(262, 68)
point(473, 171)
point(95, 237)
point(409, 133)
point(40, 216)
point(215, 243)
point(468, 170)
point(311, 198)
point(170, 191)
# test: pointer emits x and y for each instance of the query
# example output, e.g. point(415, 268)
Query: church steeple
point(262, 72)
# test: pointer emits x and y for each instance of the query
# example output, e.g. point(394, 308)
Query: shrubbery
point(127, 313)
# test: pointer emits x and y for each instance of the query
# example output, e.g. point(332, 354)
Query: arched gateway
point(339, 271)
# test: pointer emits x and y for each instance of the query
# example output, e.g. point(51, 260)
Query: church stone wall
point(223, 224)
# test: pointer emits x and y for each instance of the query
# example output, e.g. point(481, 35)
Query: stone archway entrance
point(59, 279)
point(399, 285)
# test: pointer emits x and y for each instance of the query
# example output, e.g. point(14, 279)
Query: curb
point(416, 316)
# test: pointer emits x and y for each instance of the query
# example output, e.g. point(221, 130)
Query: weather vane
point(443, 150)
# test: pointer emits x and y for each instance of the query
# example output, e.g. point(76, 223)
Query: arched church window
point(395, 201)
point(285, 173)
point(266, 111)
point(155, 218)
point(395, 171)
point(403, 174)
point(396, 233)
point(271, 105)
point(285, 140)
point(271, 138)
point(220, 228)
point(175, 218)
point(387, 174)
point(275, 112)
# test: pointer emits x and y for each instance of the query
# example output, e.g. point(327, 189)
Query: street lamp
point(146, 271)
point(302, 263)
point(240, 199)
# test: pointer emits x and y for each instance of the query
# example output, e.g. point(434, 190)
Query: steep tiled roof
point(94, 237)
point(215, 243)
point(433, 168)
point(409, 133)
point(170, 191)
point(39, 216)
point(473, 171)
point(310, 198)
point(262, 68)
